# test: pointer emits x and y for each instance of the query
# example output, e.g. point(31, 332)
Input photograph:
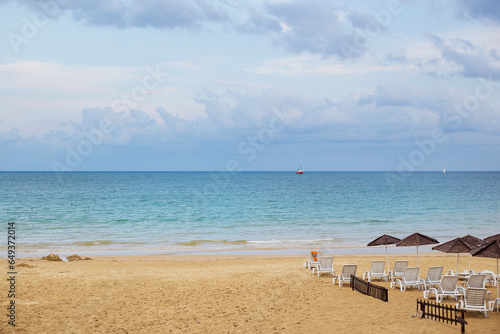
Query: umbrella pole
point(458, 257)
point(418, 263)
point(498, 283)
point(469, 262)
point(387, 256)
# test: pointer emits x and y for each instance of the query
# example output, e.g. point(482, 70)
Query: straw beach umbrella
point(385, 240)
point(491, 250)
point(457, 245)
point(417, 239)
point(476, 242)
point(473, 240)
point(492, 237)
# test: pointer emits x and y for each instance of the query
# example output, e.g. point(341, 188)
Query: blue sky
point(249, 85)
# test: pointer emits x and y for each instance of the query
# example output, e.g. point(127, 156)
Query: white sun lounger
point(433, 277)
point(377, 270)
point(474, 281)
point(325, 266)
point(345, 275)
point(475, 300)
point(408, 279)
point(447, 288)
point(399, 268)
point(311, 263)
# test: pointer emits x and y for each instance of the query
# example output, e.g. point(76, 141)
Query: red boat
point(299, 171)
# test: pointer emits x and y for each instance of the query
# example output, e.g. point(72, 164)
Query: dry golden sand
point(217, 294)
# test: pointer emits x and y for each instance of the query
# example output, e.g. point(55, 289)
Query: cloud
point(168, 14)
point(450, 57)
point(323, 28)
point(472, 61)
point(389, 113)
point(396, 58)
point(318, 28)
point(258, 23)
point(46, 92)
point(479, 10)
point(419, 110)
point(387, 120)
point(12, 136)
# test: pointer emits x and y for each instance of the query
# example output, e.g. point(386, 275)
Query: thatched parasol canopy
point(490, 249)
point(417, 239)
point(492, 237)
point(457, 245)
point(385, 240)
point(473, 240)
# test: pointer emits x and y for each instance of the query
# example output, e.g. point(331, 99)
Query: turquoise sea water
point(113, 213)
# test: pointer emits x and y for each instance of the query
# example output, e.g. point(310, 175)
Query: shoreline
point(341, 250)
point(221, 256)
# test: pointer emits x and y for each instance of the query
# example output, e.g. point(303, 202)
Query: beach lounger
point(345, 276)
point(408, 279)
point(474, 281)
point(377, 270)
point(325, 266)
point(399, 267)
point(474, 300)
point(490, 277)
point(433, 277)
point(313, 261)
point(447, 288)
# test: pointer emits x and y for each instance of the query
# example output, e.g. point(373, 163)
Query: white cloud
point(473, 56)
point(167, 14)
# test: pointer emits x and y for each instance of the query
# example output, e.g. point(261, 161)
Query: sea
point(145, 213)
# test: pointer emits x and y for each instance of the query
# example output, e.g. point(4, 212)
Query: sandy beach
point(218, 294)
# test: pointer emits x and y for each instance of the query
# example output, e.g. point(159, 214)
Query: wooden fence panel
point(369, 289)
point(442, 312)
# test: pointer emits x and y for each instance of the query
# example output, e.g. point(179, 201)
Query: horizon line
point(245, 171)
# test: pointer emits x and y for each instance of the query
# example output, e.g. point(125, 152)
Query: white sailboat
point(444, 170)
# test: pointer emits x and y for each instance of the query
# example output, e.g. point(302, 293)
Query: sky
point(235, 85)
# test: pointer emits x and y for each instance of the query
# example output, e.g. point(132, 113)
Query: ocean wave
point(203, 242)
point(295, 241)
point(103, 243)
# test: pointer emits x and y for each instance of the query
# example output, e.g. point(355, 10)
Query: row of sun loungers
point(474, 295)
point(324, 265)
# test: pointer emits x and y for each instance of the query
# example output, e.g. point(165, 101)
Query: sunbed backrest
point(475, 297)
point(449, 283)
point(476, 281)
point(378, 267)
point(434, 273)
point(326, 262)
point(348, 270)
point(411, 274)
point(400, 265)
